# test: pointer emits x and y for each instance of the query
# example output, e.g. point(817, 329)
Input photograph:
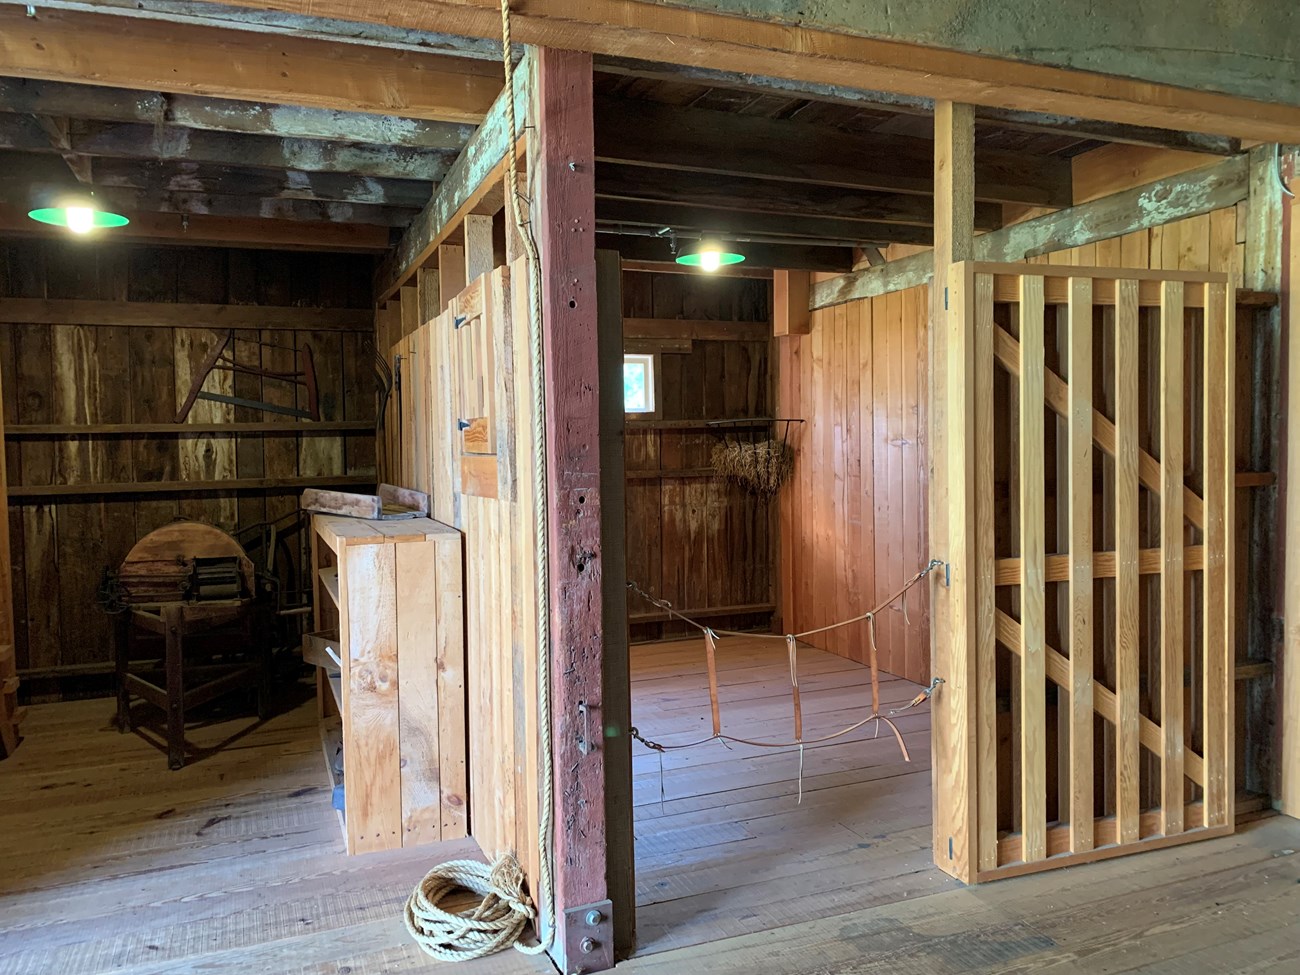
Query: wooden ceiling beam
point(36, 97)
point(18, 170)
point(664, 33)
point(732, 224)
point(615, 181)
point(132, 202)
point(170, 143)
point(1175, 198)
point(703, 141)
point(210, 231)
point(756, 255)
point(247, 65)
point(1040, 122)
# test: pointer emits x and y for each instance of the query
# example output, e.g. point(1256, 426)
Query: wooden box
point(395, 703)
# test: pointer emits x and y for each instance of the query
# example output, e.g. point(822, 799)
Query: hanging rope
point(506, 910)
point(496, 923)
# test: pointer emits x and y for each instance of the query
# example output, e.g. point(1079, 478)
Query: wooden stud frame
point(1193, 792)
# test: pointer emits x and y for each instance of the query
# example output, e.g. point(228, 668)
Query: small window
point(639, 383)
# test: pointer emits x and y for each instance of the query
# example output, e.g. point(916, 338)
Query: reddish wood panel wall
point(853, 522)
point(72, 374)
point(694, 538)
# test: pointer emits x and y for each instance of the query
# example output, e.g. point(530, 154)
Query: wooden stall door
point(1087, 494)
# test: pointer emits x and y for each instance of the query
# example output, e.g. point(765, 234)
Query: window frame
point(651, 364)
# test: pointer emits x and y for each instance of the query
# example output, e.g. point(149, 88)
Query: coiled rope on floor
point(495, 924)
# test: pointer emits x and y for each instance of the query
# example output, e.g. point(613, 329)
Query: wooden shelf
point(308, 428)
point(402, 578)
point(186, 487)
point(329, 578)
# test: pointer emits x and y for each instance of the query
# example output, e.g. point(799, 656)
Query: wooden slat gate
point(1084, 485)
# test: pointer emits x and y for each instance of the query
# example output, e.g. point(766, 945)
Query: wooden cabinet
point(390, 646)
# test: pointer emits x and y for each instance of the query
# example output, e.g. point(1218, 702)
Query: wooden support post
point(566, 220)
point(1081, 596)
point(951, 497)
point(790, 314)
point(1033, 611)
point(479, 258)
point(451, 272)
point(1289, 708)
point(1172, 656)
point(1127, 609)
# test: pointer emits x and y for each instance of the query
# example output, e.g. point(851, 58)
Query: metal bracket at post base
point(588, 938)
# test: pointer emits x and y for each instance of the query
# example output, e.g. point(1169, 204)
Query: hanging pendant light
point(79, 213)
point(709, 255)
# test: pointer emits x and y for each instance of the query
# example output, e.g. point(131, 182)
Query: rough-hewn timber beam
point(1164, 201)
point(178, 177)
point(71, 311)
point(738, 225)
point(138, 141)
point(204, 14)
point(210, 231)
point(35, 97)
point(619, 182)
point(1044, 122)
point(158, 56)
point(729, 144)
point(473, 177)
point(803, 258)
point(659, 32)
point(133, 202)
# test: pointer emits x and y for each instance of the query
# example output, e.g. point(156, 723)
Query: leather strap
point(792, 647)
point(710, 657)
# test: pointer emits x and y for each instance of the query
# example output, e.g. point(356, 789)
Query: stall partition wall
point(853, 518)
point(65, 371)
point(460, 427)
point(1116, 609)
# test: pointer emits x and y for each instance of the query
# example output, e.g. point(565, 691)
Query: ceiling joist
point(212, 231)
point(114, 140)
point(622, 182)
point(247, 65)
point(36, 97)
point(660, 33)
point(731, 144)
point(1042, 122)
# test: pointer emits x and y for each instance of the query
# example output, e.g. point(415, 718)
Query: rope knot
point(497, 922)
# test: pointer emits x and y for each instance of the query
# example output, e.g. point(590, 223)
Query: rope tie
point(496, 923)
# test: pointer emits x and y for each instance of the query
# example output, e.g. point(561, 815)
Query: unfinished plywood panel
point(1059, 798)
point(853, 517)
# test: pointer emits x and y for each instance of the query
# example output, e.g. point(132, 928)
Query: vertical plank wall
point(694, 538)
point(499, 539)
point(71, 374)
point(853, 523)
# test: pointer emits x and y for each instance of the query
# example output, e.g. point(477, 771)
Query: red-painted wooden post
point(564, 225)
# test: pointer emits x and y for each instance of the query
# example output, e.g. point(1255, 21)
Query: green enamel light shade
point(58, 217)
point(696, 258)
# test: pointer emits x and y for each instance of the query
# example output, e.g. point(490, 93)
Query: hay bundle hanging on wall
point(760, 464)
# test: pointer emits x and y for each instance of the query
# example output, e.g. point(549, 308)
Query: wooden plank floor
point(727, 848)
point(234, 864)
point(110, 863)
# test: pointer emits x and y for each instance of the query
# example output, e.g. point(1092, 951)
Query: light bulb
point(710, 260)
point(81, 220)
